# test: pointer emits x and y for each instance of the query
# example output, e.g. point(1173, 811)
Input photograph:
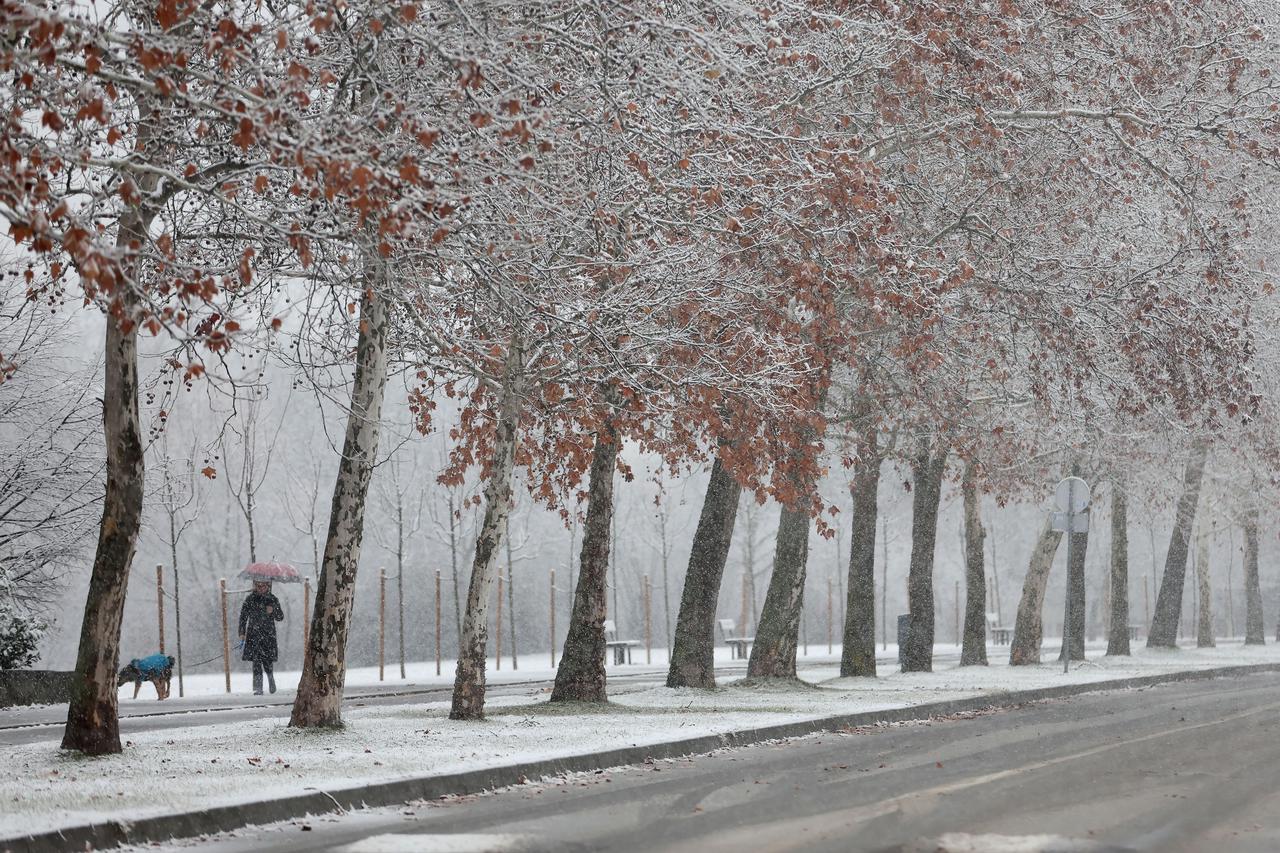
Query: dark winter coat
point(259, 627)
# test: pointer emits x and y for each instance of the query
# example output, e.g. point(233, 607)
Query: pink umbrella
point(272, 572)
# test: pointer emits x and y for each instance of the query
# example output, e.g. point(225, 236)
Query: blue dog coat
point(151, 665)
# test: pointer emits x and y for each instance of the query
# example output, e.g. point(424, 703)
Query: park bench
point(1001, 635)
point(621, 648)
point(739, 647)
point(1133, 632)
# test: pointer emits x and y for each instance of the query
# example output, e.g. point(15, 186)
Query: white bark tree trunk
point(93, 725)
point(973, 652)
point(1118, 635)
point(468, 682)
point(1204, 625)
point(1028, 630)
point(324, 668)
point(1254, 628)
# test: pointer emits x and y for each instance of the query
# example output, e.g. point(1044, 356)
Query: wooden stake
point(437, 621)
point(497, 657)
point(648, 611)
point(742, 621)
point(382, 621)
point(553, 618)
point(226, 639)
point(160, 603)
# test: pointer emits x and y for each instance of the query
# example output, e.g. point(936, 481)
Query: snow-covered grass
point(207, 765)
point(417, 673)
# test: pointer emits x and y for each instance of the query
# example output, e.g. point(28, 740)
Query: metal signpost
point(1072, 502)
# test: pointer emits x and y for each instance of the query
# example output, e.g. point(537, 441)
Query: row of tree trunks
point(693, 651)
point(927, 471)
point(858, 654)
point(580, 676)
point(1254, 630)
point(318, 702)
point(973, 650)
point(1028, 629)
point(469, 678)
point(1164, 625)
point(1118, 636)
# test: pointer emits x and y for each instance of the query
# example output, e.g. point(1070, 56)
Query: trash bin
point(904, 626)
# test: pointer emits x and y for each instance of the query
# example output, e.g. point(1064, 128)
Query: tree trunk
point(92, 723)
point(1028, 629)
point(468, 682)
point(511, 605)
point(751, 521)
point(1204, 624)
point(927, 474)
point(580, 676)
point(456, 584)
point(1075, 588)
point(1254, 628)
point(318, 702)
point(611, 567)
point(1164, 626)
point(773, 654)
point(177, 602)
point(1118, 637)
point(93, 726)
point(858, 655)
point(973, 651)
point(248, 518)
point(400, 573)
point(693, 652)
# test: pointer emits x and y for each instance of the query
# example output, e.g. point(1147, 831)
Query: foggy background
point(275, 435)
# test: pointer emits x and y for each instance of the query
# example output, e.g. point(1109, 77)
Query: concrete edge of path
point(224, 818)
point(353, 697)
point(286, 701)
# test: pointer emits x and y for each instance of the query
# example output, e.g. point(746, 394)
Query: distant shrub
point(20, 636)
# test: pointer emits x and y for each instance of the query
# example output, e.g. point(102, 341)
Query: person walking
point(258, 617)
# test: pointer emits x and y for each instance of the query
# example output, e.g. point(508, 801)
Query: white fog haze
point(640, 426)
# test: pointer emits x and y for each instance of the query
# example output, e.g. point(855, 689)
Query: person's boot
point(257, 681)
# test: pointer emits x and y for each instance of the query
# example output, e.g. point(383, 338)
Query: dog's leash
point(239, 646)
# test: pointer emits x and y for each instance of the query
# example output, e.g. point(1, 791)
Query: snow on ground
point(211, 681)
point(207, 765)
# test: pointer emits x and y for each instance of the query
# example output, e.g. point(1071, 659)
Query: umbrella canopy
point(273, 572)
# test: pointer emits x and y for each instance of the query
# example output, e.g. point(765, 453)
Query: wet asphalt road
point(1189, 767)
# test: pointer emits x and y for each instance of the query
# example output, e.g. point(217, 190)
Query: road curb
point(224, 818)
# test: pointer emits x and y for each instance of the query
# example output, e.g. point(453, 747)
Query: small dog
point(158, 669)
